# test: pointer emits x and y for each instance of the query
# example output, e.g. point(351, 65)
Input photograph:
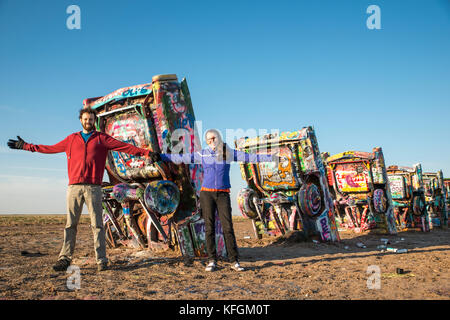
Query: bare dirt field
point(277, 268)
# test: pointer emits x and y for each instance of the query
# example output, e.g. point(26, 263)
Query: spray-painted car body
point(360, 189)
point(152, 204)
point(447, 193)
point(435, 194)
point(290, 194)
point(408, 197)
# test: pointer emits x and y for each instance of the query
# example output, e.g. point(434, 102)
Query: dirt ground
point(276, 267)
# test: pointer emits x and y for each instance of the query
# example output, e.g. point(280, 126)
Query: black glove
point(16, 144)
point(154, 156)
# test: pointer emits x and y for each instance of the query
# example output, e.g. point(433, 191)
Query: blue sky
point(249, 65)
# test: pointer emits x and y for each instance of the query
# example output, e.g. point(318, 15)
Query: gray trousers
point(77, 195)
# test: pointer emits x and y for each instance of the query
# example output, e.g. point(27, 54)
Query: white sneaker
point(211, 266)
point(237, 267)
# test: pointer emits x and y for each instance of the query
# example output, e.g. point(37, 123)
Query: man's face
point(212, 140)
point(87, 121)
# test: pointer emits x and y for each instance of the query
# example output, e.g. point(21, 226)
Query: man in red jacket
point(86, 159)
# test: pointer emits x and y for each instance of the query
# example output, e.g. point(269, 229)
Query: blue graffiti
point(185, 122)
point(118, 161)
point(135, 92)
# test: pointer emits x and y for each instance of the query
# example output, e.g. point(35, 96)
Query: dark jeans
point(209, 202)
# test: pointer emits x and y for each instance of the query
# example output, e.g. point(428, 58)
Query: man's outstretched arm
point(20, 144)
point(117, 145)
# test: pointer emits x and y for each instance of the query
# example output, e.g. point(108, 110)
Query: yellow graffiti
point(340, 155)
point(282, 175)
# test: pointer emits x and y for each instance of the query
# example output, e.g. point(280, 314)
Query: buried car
point(359, 185)
point(447, 193)
point(435, 194)
point(291, 194)
point(408, 197)
point(147, 204)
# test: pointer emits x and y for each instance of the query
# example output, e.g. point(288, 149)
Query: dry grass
point(30, 219)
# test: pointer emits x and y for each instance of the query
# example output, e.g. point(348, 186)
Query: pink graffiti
point(351, 182)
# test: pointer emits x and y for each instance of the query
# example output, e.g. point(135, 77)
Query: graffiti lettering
point(135, 91)
point(397, 186)
point(325, 229)
point(119, 163)
point(121, 93)
point(185, 121)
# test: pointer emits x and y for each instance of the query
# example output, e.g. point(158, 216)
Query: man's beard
point(88, 127)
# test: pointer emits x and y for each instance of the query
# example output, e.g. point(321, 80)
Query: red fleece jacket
point(86, 161)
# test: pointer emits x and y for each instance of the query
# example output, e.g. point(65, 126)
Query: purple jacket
point(216, 173)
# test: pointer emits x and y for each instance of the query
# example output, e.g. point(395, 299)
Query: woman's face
point(212, 140)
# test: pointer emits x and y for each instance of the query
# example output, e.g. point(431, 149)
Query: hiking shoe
point(61, 265)
point(211, 266)
point(237, 267)
point(102, 266)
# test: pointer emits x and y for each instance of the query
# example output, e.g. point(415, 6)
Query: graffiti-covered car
point(361, 192)
point(447, 193)
point(291, 194)
point(436, 198)
point(408, 197)
point(151, 204)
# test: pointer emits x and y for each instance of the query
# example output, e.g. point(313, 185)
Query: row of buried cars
point(155, 205)
point(318, 193)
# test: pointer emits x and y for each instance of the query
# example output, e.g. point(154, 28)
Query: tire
point(418, 206)
point(162, 196)
point(310, 199)
point(245, 202)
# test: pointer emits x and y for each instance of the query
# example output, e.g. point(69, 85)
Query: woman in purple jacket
point(215, 191)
